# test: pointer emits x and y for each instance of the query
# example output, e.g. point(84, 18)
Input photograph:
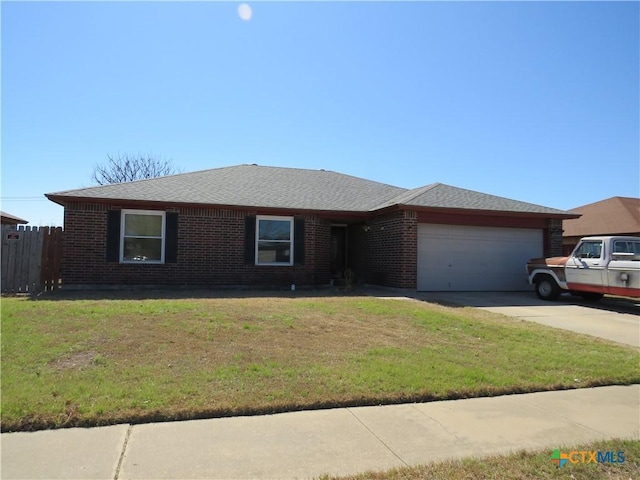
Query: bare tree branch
point(126, 168)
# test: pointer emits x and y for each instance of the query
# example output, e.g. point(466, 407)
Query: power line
point(24, 198)
point(13, 200)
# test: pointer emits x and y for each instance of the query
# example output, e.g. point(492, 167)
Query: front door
point(338, 251)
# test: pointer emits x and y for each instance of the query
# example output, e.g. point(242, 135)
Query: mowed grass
point(524, 465)
point(96, 362)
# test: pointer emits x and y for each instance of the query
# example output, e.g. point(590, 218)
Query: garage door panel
point(465, 258)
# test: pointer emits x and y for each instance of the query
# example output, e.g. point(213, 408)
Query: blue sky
point(535, 101)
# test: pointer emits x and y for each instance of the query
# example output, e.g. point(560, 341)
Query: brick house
point(269, 226)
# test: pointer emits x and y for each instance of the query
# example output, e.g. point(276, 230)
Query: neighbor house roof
point(616, 215)
point(293, 188)
point(8, 219)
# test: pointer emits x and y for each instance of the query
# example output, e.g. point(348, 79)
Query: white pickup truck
point(597, 266)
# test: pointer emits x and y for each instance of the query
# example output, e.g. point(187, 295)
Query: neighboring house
point(8, 219)
point(255, 225)
point(613, 216)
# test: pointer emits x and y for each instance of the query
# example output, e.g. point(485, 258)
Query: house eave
point(468, 211)
point(158, 205)
point(343, 214)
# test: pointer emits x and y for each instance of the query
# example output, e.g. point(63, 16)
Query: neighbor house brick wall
point(392, 249)
point(210, 252)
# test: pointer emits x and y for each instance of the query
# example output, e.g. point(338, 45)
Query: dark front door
point(338, 251)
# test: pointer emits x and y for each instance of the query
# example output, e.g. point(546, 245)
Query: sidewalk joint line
point(124, 449)
point(377, 437)
point(461, 440)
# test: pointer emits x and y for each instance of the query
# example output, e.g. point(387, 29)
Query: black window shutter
point(298, 240)
point(113, 235)
point(250, 240)
point(171, 240)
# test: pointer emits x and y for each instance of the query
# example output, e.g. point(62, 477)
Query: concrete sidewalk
point(338, 441)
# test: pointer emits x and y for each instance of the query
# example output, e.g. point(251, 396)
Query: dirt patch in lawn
point(76, 361)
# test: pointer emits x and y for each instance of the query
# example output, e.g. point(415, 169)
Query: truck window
point(589, 249)
point(626, 246)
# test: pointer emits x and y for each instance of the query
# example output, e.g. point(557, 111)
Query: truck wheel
point(547, 288)
point(591, 296)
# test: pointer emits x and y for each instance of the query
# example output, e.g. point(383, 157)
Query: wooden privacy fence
point(31, 258)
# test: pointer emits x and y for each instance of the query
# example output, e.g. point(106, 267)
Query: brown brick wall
point(392, 249)
point(553, 238)
point(210, 252)
point(318, 244)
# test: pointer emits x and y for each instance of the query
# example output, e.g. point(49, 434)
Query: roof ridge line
point(420, 190)
point(400, 199)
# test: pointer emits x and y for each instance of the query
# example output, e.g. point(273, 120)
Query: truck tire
point(547, 288)
point(591, 296)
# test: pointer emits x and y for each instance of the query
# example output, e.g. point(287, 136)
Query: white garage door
point(462, 258)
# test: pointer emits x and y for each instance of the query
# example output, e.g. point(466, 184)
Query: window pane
point(623, 246)
point(274, 230)
point(590, 250)
point(143, 225)
point(274, 252)
point(142, 249)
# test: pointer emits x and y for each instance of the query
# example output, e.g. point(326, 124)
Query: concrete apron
point(617, 327)
point(620, 325)
point(339, 441)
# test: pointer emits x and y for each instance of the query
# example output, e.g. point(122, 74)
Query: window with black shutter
point(142, 236)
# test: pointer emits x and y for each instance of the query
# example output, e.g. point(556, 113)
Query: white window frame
point(290, 241)
point(122, 235)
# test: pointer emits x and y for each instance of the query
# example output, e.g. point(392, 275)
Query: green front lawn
point(94, 362)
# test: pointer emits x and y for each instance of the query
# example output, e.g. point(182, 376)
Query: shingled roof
point(613, 216)
point(293, 188)
point(439, 195)
point(249, 186)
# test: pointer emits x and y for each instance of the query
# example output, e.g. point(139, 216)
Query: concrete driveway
point(611, 318)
